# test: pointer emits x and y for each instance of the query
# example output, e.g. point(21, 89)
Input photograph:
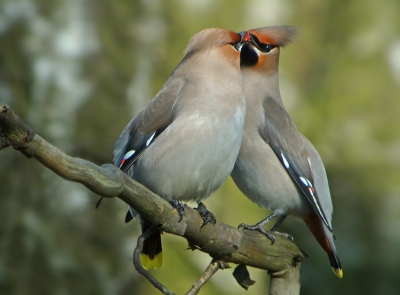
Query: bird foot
point(259, 228)
point(207, 216)
point(178, 206)
point(285, 235)
point(269, 233)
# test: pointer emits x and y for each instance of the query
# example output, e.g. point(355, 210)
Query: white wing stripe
point(150, 139)
point(129, 154)
point(285, 162)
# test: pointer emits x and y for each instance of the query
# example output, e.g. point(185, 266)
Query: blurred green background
point(79, 70)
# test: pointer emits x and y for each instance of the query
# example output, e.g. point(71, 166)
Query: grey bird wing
point(144, 129)
point(292, 149)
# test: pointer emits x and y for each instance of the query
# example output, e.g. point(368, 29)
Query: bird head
point(260, 47)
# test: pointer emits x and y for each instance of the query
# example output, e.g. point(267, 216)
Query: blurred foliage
point(79, 70)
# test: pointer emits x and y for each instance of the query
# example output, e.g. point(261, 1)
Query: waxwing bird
point(277, 167)
point(184, 144)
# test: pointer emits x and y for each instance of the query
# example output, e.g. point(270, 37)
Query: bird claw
point(268, 234)
point(285, 235)
point(179, 207)
point(207, 216)
point(259, 228)
point(242, 226)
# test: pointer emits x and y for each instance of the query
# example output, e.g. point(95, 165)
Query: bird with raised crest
point(184, 144)
point(277, 167)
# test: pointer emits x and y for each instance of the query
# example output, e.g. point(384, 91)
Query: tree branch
point(221, 241)
point(285, 282)
point(212, 268)
point(18, 135)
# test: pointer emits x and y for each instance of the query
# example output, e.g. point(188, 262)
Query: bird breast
point(194, 155)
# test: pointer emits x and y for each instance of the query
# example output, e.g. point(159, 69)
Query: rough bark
point(286, 282)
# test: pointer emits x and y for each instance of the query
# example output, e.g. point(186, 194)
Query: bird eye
point(266, 47)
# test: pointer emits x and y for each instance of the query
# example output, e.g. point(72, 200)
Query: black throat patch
point(248, 55)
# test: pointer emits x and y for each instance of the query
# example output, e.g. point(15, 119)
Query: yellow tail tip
point(338, 272)
point(152, 263)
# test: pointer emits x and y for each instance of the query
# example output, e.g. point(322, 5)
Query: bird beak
point(249, 38)
point(238, 45)
point(246, 37)
point(241, 34)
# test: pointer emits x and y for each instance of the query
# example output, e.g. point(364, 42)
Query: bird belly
point(190, 160)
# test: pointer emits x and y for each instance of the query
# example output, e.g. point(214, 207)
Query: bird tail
point(152, 256)
point(325, 239)
point(130, 214)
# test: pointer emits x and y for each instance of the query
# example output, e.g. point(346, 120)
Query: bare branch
point(221, 241)
point(212, 268)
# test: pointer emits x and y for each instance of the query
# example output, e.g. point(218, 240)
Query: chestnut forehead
point(235, 37)
point(263, 38)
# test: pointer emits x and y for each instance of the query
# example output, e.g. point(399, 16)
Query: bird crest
point(276, 35)
point(211, 38)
